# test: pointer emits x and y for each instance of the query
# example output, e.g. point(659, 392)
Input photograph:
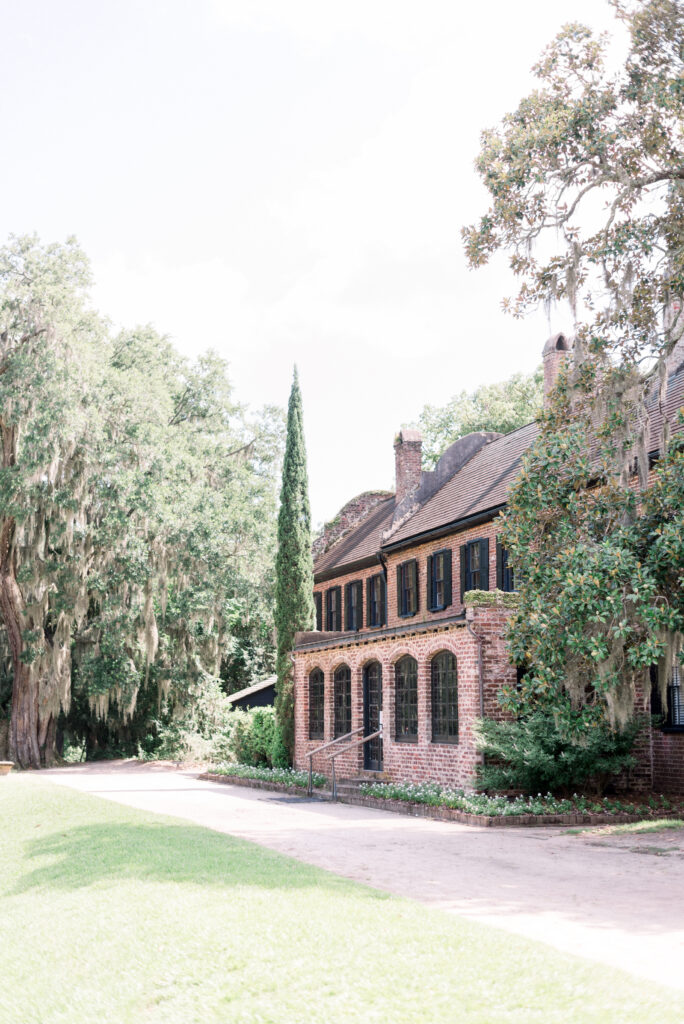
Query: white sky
point(284, 181)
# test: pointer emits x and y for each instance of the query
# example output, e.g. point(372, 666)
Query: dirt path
point(616, 900)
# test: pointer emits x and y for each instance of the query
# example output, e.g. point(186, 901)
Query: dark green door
point(372, 708)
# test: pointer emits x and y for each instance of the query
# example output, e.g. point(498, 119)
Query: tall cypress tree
point(294, 562)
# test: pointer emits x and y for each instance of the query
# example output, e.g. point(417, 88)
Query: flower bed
point(281, 776)
point(480, 804)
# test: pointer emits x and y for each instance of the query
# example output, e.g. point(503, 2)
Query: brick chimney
point(554, 355)
point(408, 449)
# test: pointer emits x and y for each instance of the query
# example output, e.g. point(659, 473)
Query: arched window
point(316, 704)
point(342, 700)
point(406, 699)
point(444, 698)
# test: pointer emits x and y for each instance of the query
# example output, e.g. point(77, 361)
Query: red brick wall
point(668, 761)
point(341, 581)
point(447, 763)
point(421, 552)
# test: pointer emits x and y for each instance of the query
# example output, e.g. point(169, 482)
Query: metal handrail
point(324, 746)
point(364, 739)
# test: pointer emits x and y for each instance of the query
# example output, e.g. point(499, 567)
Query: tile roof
point(481, 484)
point(363, 541)
point(674, 399)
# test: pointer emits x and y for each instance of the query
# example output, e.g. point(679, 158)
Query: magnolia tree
point(586, 180)
point(137, 505)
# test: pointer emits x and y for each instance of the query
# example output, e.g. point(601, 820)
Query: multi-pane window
point(444, 698)
point(504, 573)
point(675, 710)
point(474, 566)
point(333, 610)
point(353, 599)
point(342, 700)
point(673, 715)
point(375, 600)
point(406, 699)
point(439, 580)
point(407, 588)
point(318, 601)
point(316, 704)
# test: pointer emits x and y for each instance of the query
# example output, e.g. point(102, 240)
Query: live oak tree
point(294, 562)
point(136, 504)
point(586, 180)
point(206, 544)
point(49, 376)
point(501, 407)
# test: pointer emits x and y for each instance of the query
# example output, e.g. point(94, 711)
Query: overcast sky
point(284, 181)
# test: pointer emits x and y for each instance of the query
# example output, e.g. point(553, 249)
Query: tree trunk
point(47, 741)
point(24, 747)
point(23, 741)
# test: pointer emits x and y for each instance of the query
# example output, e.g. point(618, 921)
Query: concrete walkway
point(616, 900)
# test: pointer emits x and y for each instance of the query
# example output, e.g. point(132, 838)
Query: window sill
point(407, 615)
point(445, 741)
point(405, 739)
point(671, 728)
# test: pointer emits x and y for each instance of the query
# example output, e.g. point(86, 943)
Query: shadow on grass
point(106, 852)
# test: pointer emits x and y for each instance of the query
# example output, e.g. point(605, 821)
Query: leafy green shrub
point(253, 738)
point(533, 755)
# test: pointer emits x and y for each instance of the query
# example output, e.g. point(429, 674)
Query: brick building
point(412, 594)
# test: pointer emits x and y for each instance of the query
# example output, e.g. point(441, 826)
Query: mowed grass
point(660, 825)
point(108, 914)
point(629, 828)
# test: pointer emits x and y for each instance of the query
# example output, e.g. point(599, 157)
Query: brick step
point(351, 786)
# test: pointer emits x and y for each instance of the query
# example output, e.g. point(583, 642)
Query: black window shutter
point(347, 605)
point(463, 571)
point(447, 578)
point(383, 601)
point(499, 565)
point(338, 623)
point(318, 601)
point(369, 584)
point(359, 604)
point(400, 610)
point(484, 564)
point(328, 623)
point(430, 595)
point(416, 595)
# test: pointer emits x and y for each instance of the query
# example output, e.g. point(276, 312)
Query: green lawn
point(114, 915)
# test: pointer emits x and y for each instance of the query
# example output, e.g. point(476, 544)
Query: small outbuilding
point(259, 695)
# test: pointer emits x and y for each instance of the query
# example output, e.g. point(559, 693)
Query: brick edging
point(444, 813)
point(238, 780)
point(491, 820)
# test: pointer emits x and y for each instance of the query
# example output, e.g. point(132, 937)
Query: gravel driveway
point(616, 900)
